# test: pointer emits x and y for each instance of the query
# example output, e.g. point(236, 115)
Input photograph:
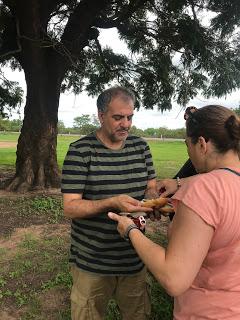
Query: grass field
point(168, 156)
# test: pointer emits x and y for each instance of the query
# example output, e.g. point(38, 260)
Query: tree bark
point(44, 67)
point(36, 163)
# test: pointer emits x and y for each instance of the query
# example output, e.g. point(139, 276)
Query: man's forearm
point(76, 207)
point(81, 208)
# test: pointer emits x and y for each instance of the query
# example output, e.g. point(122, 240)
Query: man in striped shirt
point(108, 170)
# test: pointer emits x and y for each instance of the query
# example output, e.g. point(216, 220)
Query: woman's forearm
point(158, 266)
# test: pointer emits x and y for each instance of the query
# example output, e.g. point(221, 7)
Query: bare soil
point(15, 226)
point(7, 144)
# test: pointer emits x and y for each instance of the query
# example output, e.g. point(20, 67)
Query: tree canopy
point(175, 52)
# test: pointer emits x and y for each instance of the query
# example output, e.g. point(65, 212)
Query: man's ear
point(203, 144)
point(100, 117)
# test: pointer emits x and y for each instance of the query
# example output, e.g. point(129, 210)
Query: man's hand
point(125, 203)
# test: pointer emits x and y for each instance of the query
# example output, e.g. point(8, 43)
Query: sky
point(71, 106)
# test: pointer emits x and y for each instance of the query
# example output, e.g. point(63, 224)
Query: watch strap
point(129, 228)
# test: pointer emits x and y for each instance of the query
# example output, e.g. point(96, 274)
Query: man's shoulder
point(133, 138)
point(136, 140)
point(86, 141)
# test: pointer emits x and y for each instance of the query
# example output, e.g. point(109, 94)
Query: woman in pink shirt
point(201, 265)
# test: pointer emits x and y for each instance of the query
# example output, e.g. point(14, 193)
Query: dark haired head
point(189, 112)
point(215, 123)
point(106, 96)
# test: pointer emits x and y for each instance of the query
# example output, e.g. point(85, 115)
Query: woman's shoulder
point(203, 184)
point(211, 176)
point(214, 177)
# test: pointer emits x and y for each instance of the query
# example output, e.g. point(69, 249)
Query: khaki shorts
point(91, 293)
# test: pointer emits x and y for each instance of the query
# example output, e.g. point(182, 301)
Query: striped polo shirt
point(97, 172)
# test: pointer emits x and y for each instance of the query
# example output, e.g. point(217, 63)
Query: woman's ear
point(202, 144)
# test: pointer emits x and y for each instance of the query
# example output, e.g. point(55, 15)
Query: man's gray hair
point(106, 96)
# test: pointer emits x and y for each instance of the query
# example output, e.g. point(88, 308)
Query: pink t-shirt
point(215, 292)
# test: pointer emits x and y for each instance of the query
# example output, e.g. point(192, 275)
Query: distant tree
point(86, 123)
point(15, 125)
point(83, 120)
point(87, 129)
point(94, 120)
point(4, 124)
point(10, 125)
point(150, 132)
point(173, 55)
point(11, 95)
point(237, 110)
point(136, 131)
point(179, 133)
point(61, 127)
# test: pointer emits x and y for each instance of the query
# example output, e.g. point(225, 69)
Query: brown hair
point(215, 123)
point(106, 96)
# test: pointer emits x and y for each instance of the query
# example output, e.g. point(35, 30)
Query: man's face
point(117, 120)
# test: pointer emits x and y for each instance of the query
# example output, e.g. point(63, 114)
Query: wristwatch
point(129, 228)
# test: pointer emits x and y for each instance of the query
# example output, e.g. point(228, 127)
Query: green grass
point(168, 156)
point(7, 157)
point(62, 146)
point(49, 206)
point(6, 136)
point(38, 265)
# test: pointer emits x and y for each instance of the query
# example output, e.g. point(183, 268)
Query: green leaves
point(11, 95)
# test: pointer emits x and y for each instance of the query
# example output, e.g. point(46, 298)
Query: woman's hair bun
point(232, 125)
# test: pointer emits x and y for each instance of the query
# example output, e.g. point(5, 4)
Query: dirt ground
point(7, 144)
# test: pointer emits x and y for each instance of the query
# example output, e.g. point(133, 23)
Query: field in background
point(168, 156)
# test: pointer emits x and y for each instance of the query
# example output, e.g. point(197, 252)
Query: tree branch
point(126, 13)
point(192, 4)
point(75, 35)
point(5, 52)
point(106, 66)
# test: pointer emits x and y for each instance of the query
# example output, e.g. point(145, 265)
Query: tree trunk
point(45, 61)
point(36, 163)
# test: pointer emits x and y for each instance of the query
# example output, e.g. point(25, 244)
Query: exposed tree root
point(18, 184)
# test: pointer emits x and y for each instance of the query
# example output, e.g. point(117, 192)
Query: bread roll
point(158, 202)
point(166, 209)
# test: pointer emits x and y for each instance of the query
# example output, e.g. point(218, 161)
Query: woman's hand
point(123, 222)
point(170, 186)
